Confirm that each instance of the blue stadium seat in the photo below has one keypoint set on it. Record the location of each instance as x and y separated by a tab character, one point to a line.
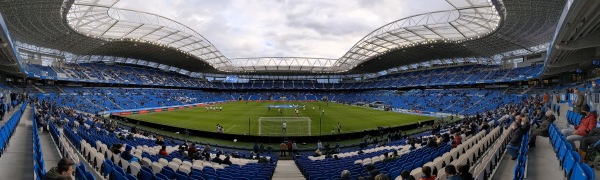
588	171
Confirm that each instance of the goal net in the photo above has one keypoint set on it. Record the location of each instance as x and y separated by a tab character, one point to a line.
273	126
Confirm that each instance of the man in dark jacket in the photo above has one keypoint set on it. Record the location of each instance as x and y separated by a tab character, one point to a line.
543	129
578	101
591	138
521	126
63	169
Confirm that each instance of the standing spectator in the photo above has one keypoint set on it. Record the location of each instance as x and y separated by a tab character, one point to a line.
294	148
282	148
63	169
585	126
255	148
319	145
578	101
269	149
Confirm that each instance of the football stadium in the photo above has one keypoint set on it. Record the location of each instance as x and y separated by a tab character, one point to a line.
316	90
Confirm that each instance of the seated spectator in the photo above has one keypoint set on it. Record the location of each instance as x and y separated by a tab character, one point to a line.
451	173
116	148
464	172
127	154
381	177
520	126
372	171
431	142
585	126
542	130
427	173
345	175
163	151
589	140
317	153
405	175
217	159
395	155
192	149
130	136
63	169
227	160
457	140
160	140
183	147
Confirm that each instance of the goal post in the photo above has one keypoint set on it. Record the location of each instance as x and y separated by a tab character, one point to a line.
273	126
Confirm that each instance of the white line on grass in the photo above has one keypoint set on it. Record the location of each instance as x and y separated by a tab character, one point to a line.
230	128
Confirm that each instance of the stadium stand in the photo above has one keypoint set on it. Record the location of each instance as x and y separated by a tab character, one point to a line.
126	74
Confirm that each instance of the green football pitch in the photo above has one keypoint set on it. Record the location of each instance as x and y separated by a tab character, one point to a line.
234	118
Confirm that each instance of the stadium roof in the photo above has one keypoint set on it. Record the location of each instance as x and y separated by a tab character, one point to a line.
575	43
473	29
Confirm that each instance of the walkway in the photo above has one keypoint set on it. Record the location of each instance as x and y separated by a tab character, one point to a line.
287	169
16	161
49	149
541	159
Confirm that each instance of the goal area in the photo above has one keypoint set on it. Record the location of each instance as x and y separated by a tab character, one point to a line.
273	126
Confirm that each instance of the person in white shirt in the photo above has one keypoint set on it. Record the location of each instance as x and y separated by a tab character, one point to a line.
283	128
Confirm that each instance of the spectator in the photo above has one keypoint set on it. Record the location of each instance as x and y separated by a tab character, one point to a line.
183	147
578	102
116	148
63	169
217	159
345	175
294	148
591	139
543	129
520	128
127	154
451	172
261	148
427	173
381	177
405	175
464	172
160	140
372	171
319	145
227	160
282	149
457	140
269	149
586	125
163	151
192	149
255	148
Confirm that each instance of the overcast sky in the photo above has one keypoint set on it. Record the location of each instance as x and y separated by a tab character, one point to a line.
284	28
